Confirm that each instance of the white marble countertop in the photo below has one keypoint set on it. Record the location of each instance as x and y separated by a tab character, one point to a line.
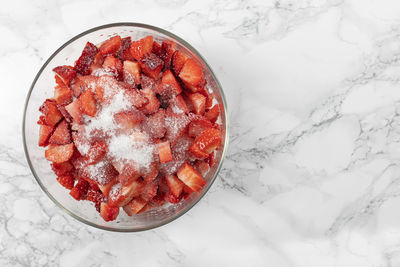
312	177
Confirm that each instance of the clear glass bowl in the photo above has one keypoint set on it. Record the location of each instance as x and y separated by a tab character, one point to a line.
42	88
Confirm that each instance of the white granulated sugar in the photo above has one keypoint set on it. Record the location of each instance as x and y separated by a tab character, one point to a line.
103	71
115	190
175	124
97	172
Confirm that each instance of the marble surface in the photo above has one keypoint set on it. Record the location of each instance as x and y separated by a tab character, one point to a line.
312	177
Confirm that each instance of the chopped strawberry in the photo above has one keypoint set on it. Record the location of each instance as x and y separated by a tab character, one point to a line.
176	125
169	82
151	65
148	83
62	95
209	97
190	177
198	102
153	103
59	81
151	174
65	73
178	60
164	152
202	167
96	152
61	135
197	152
173	199
174	184
113	65
125	52
141	47
61	169
131	72
155	124
59	153
96	197
111	46
211	159
191	74
50	112
156	49
105	188
98	60
134	206
82	65
128	120
44	134
206	142
178	105
88	103
128	172
108	212
166	52
121	195
198	125
67	181
82	83
80	190
74	109
213	113
149	191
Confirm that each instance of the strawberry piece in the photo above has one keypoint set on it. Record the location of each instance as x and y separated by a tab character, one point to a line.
154	124
151	65
128	120
59	81
178	105
213	113
105	188
178	60
198	102
111	45
108	212
88	103
61	135
74	109
82	83
128	172
210	160
80	190
121	195
65	73
173	199
179	155
141	47
202	167
125	52
96	197
164	152
131	72
176	125
174	184
198	126
191	74
96	152
169	83
62	95
206	142
106	87
59	153
209	97
44	134
149	191
61	169
82	65
190	177
156	49
50	112
136	205
113	66
67	181
151	174
166	52
153	103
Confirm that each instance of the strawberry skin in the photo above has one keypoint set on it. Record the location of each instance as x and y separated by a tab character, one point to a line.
190	177
111	46
213	113
151	65
67	181
178	60
82	65
61	135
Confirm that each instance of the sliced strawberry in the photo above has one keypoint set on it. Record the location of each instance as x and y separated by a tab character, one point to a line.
61	169
198	102
82	65
60	153
80	190
192	74
62	95
96	152
169	83
190	177
154	124
67	181
125	52
61	135
174	184
128	120
111	46
121	195
206	142
108	212
65	73
178	60
164	152
198	126
74	109
113	65
134	206
141	47
50	112
149	191
213	113
202	167
151	65
153	103
131	72
88	103
44	134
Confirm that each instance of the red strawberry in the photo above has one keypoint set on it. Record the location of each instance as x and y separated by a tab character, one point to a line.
178	105
108	212
131	72
59	153
51	114
174	184
96	152
62	95
213	113
113	65
151	65
80	190
192	75
61	135
44	134
148	83
190	177
125	52
173	199
202	167
111	46
110	84
211	159
206	142
153	104
82	83
199	125
209	97
134	206
156	49
121	195
164	152
141	47
88	103
150	174
176	125
178	60
105	188
128	172
166	52
128	120
74	109
169	82
67	181
154	124
65	73
61	169
59	81
96	197
82	65
149	191
198	102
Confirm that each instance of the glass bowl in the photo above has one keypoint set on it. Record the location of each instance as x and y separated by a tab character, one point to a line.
42	88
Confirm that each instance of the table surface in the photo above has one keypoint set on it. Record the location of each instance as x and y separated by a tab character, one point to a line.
312	173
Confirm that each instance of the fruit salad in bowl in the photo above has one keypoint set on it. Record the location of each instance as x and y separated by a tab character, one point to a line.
131	128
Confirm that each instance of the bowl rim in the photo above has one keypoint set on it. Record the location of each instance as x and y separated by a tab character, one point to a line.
185	209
